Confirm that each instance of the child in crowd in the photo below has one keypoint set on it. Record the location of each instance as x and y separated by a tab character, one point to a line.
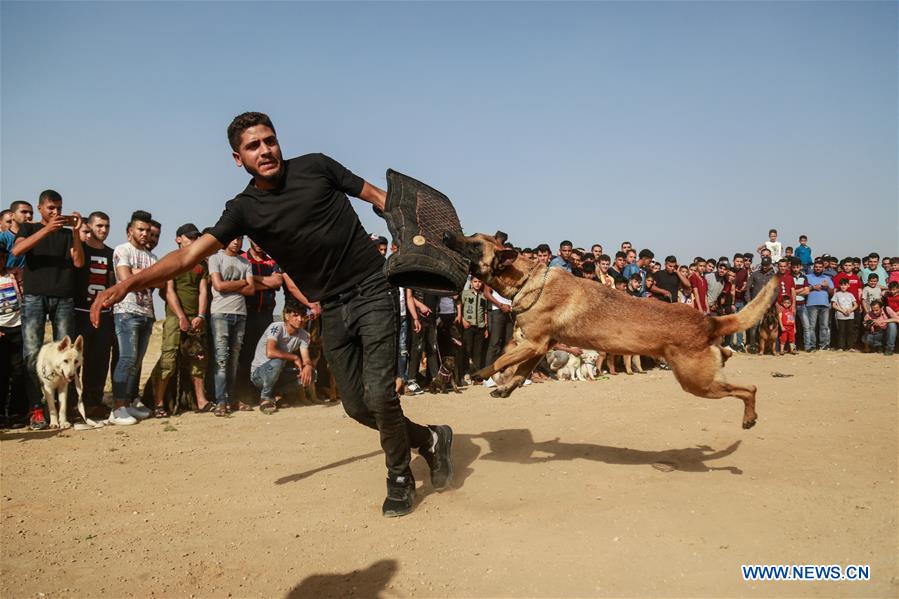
893	276
844	306
872	291
890	297
773	246
880	327
474	325
787	320
804	253
13	401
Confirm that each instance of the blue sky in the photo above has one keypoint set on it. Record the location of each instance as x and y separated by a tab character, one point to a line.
688	128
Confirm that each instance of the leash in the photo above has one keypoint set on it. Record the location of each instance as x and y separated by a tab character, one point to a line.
539	293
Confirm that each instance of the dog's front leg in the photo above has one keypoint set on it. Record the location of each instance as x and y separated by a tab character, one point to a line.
57	421
522	371
520	353
80	389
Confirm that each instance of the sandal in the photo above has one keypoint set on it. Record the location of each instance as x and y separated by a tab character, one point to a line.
244	407
221	409
207	408
267	406
160	412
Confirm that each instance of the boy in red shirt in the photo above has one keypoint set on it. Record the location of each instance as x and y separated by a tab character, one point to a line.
787	320
700	286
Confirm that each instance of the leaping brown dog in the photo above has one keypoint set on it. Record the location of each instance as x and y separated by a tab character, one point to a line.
552	306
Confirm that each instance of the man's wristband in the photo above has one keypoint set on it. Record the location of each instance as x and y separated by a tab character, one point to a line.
203	316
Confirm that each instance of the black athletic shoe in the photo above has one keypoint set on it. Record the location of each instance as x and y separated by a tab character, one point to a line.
400	496
441	459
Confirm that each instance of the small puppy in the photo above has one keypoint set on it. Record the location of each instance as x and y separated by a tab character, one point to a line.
445	377
58	364
589	361
571	371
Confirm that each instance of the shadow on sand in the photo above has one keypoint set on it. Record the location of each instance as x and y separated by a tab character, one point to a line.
358	583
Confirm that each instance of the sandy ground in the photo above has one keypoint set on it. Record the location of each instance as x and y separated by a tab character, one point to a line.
621	487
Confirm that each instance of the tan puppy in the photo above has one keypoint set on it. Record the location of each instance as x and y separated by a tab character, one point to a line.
554	306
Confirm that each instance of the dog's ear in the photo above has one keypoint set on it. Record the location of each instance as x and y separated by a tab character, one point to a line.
79	342
64	343
504	258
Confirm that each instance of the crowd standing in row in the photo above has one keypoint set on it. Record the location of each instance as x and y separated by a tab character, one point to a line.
53	269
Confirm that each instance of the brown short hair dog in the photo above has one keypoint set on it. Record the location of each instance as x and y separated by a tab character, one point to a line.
554	306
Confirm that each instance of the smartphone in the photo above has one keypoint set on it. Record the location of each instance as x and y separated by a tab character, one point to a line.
68	220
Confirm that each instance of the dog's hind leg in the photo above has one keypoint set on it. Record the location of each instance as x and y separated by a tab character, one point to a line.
699	373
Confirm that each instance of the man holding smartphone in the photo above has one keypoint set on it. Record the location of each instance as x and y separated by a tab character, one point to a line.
52	250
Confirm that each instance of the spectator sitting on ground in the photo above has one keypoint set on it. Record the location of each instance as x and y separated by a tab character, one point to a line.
880	327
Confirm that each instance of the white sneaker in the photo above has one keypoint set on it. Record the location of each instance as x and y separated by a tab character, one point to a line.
490	383
138	410
121	417
527	382
414	389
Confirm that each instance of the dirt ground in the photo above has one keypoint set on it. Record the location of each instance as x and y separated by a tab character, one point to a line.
620	487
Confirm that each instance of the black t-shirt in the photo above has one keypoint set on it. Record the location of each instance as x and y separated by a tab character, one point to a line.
670	282
95	276
48	268
307	225
617	276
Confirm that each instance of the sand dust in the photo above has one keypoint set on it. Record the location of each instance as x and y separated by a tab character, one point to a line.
622	487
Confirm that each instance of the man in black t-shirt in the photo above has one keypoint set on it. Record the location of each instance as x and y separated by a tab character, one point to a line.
95	276
669	280
52	253
299	213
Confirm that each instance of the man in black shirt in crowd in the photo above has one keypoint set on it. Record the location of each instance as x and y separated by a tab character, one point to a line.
52	251
299	213
668	280
95	276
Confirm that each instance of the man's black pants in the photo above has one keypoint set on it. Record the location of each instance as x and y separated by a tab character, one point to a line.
500	325
473	341
13	395
360	340
97	349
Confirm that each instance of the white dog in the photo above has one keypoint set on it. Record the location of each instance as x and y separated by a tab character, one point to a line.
588	365
571	370
58	364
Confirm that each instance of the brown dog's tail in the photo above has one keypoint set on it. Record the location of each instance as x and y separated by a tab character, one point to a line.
748	316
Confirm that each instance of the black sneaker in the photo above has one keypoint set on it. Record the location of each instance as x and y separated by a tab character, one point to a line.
441	459
400	496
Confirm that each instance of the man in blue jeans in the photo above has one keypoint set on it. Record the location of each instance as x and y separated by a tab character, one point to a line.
232	282
299	212
52	253
817	308
133	317
281	343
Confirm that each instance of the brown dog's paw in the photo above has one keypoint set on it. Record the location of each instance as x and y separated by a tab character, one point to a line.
500	393
747	424
479	377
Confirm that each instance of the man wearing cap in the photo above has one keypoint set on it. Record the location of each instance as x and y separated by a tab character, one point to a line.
186	299
95	276
754	285
299	213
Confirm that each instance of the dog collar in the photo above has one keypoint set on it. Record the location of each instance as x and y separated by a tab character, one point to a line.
539	293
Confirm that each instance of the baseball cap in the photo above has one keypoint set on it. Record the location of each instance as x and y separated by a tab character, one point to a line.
188	230
766	261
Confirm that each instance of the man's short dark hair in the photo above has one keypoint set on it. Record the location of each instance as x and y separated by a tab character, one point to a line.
156	223
620	255
795	261
527	250
140	215
544	247
646	254
604	257
501	236
97	214
244	121
5	212
874	255
819	261
784	260
293	306
596	245
772	231
15	205
48	195
801	237
876	302
747	256
670	260
636	277
566	242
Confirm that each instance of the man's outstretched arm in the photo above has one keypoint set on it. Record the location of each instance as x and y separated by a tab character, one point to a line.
171	265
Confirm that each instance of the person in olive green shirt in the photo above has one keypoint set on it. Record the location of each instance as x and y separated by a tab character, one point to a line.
186	298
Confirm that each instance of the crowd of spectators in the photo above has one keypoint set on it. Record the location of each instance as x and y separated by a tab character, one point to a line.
52	269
